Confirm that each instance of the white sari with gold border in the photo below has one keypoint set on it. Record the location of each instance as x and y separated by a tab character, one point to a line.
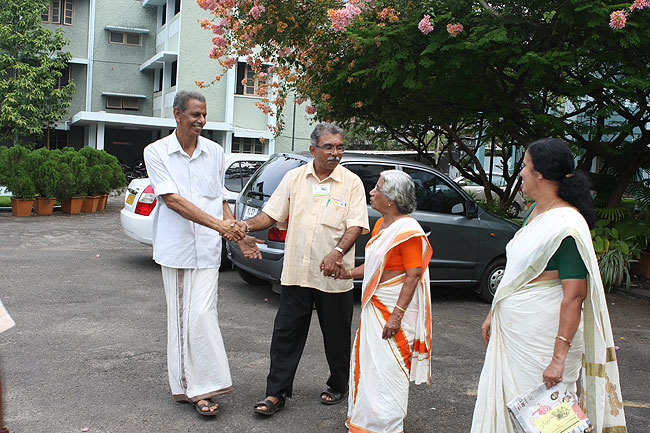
525	319
6	321
381	370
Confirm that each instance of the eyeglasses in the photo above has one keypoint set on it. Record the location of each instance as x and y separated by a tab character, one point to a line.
331	147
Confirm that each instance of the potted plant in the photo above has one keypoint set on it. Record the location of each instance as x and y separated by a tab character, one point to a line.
18	180
73	179
95	178
44	172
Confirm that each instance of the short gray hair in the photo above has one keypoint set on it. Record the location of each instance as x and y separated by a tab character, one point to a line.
324	127
181	98
399	188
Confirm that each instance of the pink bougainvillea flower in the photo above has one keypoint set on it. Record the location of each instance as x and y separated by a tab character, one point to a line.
425	25
358	104
230	62
208	5
454	29
310	110
640	4
256	11
219	41
200	83
617	19
340	18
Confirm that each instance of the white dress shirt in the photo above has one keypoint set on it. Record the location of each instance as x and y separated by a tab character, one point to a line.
179	242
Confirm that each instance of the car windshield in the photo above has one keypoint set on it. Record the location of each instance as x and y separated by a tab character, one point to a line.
267	179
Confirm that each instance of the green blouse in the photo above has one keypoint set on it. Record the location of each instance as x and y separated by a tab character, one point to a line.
566	260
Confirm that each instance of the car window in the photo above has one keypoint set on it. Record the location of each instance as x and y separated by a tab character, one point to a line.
433	194
267	179
369	174
239	172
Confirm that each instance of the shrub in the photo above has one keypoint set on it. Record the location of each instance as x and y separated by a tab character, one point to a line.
17	177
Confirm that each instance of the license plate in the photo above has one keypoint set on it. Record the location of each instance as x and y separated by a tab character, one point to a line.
250	212
130	198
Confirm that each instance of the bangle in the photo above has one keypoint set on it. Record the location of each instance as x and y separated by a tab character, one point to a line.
559	337
248	228
351	277
340	250
400	308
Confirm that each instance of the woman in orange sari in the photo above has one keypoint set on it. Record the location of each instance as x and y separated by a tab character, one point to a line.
393	342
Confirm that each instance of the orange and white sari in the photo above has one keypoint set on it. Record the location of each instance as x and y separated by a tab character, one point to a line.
380	369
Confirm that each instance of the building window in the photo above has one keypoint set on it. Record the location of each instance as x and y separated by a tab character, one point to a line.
124	38
159	83
177	6
247	83
172	81
122	103
58	12
64	79
164	14
247	145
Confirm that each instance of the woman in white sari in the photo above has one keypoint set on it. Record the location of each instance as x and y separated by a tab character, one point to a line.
393	343
549	321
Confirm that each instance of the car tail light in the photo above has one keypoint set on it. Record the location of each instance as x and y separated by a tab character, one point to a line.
146	202
277	234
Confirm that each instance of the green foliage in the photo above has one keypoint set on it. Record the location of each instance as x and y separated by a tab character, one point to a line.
17	179
519	71
43	168
31	62
616	251
74	174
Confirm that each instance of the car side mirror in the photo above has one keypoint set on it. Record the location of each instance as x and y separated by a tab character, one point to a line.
472	209
462	183
458	209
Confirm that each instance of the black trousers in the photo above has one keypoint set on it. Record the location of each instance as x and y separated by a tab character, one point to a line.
290	334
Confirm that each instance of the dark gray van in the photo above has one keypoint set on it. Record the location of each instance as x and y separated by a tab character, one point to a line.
468	242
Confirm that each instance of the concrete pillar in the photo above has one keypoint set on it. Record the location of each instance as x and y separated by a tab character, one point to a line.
101	129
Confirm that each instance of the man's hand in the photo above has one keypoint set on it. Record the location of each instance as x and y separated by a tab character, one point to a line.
248	247
329	266
232	230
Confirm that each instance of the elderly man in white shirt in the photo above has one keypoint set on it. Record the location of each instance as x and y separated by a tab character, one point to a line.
186	171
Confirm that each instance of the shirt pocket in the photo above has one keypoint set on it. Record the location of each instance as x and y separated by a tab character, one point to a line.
209	187
333	216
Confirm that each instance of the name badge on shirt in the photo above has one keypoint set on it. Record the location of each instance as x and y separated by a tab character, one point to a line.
320	190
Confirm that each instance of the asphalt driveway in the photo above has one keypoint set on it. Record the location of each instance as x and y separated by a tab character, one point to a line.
88	351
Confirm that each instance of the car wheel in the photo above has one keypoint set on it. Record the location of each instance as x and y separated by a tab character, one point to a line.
491	278
513	210
252	279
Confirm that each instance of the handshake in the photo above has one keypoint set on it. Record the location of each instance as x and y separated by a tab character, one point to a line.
234	230
334	269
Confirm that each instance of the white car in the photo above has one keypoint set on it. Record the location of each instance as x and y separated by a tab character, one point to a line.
478	192
140	200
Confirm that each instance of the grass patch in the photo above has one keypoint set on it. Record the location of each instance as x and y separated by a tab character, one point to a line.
5	201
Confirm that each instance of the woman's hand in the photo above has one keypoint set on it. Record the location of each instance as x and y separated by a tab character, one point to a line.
485	328
392	326
553	373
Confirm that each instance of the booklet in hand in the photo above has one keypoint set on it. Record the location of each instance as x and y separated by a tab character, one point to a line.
548	410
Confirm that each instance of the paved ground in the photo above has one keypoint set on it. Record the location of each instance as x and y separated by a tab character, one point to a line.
89	347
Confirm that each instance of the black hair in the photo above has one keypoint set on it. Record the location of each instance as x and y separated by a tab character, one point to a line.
555	161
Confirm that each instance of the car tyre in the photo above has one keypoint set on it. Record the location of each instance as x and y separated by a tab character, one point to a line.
491	278
513	210
252	279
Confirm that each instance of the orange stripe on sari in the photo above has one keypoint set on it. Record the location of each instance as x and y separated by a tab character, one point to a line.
400	338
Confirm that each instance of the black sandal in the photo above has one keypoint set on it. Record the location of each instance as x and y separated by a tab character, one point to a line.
271	408
199	407
335	397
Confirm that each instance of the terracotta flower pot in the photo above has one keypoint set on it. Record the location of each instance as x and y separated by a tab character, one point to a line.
21	207
43	207
101	205
90	203
72	205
